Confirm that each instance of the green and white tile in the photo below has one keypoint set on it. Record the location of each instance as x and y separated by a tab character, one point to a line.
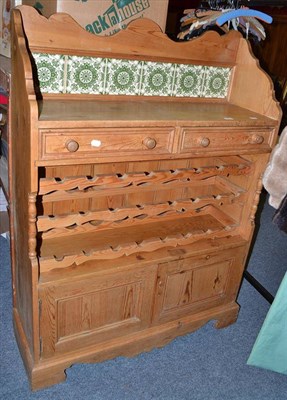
72	74
85	75
157	79
123	77
50	69
188	80
216	82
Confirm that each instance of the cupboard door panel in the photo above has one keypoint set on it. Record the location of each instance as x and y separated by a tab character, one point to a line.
210	281
197	283
99	310
94	310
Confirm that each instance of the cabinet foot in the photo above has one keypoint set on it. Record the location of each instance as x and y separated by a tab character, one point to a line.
46	377
228	318
40	375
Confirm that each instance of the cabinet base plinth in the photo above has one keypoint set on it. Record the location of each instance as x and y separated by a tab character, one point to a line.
51	371
227	319
41	379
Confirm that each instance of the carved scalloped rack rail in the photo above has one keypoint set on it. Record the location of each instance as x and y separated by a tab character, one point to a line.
237	166
113	232
210	224
63	225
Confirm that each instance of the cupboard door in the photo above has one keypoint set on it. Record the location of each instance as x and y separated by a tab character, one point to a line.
95	309
197	283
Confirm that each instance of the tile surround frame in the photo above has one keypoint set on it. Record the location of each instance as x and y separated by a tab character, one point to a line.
109	76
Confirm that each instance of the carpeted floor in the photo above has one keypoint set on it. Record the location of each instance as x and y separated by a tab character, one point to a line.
208	364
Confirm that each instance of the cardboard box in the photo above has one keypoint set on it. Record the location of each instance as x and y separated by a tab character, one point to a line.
5	25
100	17
105	17
5	36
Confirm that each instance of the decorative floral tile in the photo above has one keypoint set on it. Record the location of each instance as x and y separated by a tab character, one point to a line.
123	77
50	72
188	80
85	75
216	82
91	75
157	79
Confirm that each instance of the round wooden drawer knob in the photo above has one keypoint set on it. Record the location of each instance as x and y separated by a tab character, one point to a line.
72	146
204	142
150	143
257	139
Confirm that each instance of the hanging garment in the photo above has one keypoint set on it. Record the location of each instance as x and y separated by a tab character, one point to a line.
270	348
275	176
280	216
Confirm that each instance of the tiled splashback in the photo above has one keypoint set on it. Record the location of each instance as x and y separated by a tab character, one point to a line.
73	74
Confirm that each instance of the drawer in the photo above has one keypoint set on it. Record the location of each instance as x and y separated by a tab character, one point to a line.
217	139
78	143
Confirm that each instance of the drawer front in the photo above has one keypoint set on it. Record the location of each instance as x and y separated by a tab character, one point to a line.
105	142
216	139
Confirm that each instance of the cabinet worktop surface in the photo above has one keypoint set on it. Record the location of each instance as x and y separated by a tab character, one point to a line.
140	110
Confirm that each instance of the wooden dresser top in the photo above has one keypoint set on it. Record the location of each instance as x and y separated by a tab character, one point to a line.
174	112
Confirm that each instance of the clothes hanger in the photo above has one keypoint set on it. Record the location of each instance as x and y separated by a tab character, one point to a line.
195	15
253	26
225	15
200	23
243	12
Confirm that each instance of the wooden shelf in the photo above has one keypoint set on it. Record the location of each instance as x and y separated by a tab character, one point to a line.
165	254
214	191
65	251
86	234
60	189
